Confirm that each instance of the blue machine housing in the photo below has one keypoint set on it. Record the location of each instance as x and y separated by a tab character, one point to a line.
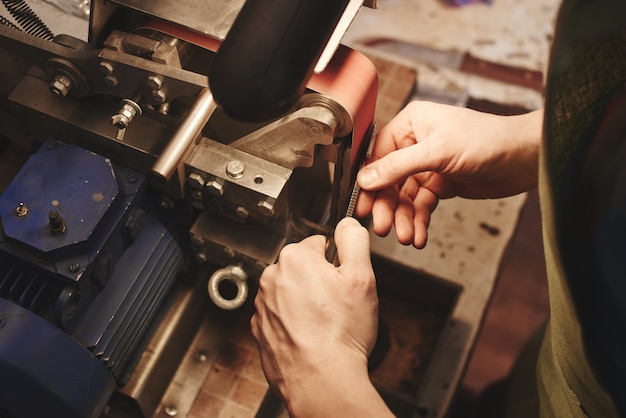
84	268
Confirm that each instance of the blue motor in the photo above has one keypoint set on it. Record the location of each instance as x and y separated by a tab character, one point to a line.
84	268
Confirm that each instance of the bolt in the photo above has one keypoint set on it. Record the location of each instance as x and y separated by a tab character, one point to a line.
73	268
195	194
134	222
216	187
170	411
61	86
158	96
201	256
155	82
235	169
132	178
106	68
110	81
21	210
229	252
196	181
57	223
197	240
166	202
125	115
201	356
242	212
266	207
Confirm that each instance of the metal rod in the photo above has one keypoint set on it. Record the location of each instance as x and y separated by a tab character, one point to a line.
188	131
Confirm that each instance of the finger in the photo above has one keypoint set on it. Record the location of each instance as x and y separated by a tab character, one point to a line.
353	243
394	167
397	133
315	244
424	204
364	204
383	210
404	214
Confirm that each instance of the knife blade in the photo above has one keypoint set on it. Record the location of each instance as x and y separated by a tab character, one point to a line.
456	60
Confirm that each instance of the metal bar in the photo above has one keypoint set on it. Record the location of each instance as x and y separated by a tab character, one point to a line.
171	160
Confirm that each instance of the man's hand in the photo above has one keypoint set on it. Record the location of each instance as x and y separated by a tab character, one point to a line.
431	151
316	324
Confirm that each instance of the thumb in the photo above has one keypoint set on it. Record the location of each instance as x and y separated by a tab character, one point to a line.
353	243
396	166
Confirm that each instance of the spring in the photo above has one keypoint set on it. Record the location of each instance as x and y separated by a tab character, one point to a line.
27	19
6	22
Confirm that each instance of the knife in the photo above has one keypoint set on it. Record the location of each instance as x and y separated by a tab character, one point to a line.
460	61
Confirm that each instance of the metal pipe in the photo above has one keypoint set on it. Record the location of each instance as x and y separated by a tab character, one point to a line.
188	131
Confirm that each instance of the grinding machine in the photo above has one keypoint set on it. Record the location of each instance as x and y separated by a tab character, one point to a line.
171	155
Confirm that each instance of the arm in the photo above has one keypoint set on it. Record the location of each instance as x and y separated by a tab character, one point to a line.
316	324
431	151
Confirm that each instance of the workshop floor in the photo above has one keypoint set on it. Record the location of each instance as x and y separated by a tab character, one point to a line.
519	304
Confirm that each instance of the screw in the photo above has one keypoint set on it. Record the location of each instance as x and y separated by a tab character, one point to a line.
166	202
158	96
61	86
197	240
235	169
266	207
195	194
216	187
242	212
201	356
201	256
170	411
196	181
229	252
73	268
132	178
21	210
57	223
155	82
110	81
125	115
106	68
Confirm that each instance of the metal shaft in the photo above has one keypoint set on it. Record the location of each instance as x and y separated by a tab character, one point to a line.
189	130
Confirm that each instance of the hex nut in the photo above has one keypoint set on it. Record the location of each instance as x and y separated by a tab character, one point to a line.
215	187
242	212
155	82
266	207
196	181
235	169
106	68
61	86
158	96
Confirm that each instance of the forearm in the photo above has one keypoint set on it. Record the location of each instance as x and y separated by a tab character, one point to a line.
528	129
342	390
510	157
